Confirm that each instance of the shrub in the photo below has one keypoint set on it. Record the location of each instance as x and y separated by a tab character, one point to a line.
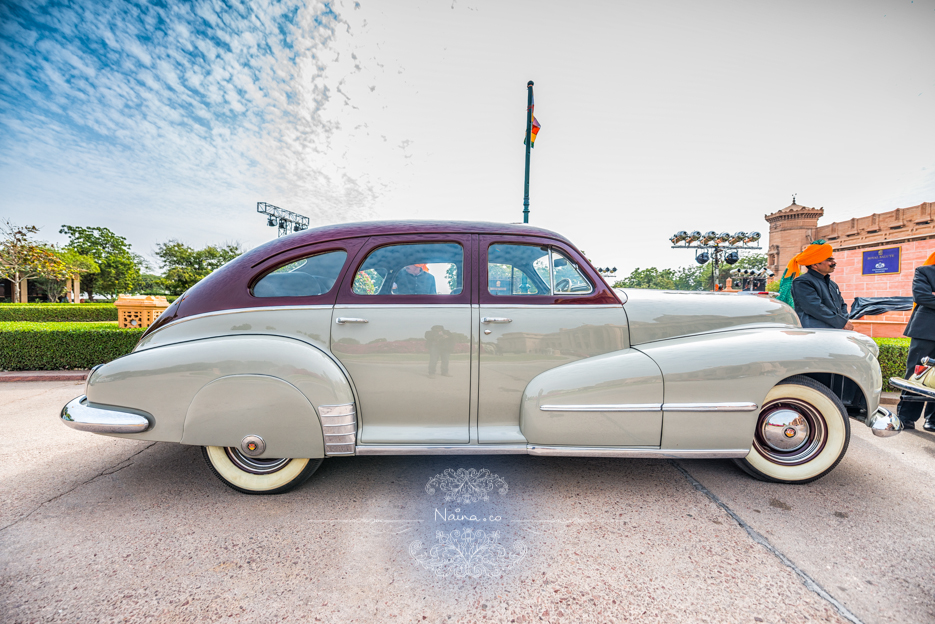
56	346
58	312
893	354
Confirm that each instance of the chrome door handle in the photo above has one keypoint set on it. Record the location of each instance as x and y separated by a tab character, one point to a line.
495	319
341	320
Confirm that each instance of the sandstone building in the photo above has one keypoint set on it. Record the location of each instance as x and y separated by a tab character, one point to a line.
876	255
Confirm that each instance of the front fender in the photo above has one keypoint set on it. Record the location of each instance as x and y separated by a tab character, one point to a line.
742	366
164	382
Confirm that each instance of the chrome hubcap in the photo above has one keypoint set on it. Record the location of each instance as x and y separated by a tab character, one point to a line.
784	430
790	432
255	465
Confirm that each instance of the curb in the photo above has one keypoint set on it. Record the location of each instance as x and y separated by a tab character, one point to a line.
889	398
77	375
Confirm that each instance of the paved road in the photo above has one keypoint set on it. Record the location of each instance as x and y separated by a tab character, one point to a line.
98	529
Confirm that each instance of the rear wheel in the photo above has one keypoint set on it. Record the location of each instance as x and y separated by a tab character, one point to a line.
252	475
801	434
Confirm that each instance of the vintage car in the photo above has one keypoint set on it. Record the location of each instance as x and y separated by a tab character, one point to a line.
456	338
921	384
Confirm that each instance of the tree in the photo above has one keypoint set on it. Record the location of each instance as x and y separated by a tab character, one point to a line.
118	269
75	265
755	262
150	284
186	266
22	258
684	278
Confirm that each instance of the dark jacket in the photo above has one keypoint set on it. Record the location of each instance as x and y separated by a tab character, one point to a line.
818	301
922	322
419	284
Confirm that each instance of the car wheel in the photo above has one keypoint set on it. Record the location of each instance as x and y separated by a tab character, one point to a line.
251	475
801	433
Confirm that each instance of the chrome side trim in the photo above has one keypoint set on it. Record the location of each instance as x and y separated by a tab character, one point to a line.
646	452
347	409
391	306
341	320
339	428
883	423
623	407
654	407
442	449
564	306
77	414
710	407
556	451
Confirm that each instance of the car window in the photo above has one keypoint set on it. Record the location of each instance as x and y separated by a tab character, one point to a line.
306	277
518	270
412	269
525	270
567	275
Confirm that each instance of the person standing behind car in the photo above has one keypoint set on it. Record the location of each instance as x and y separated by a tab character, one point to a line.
921	331
816	298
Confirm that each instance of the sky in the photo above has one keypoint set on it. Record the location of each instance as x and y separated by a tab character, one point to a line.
171	120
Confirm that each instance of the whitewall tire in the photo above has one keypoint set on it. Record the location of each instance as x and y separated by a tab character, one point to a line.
802	433
257	476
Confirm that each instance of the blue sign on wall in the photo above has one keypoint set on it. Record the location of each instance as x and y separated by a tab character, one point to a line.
881	261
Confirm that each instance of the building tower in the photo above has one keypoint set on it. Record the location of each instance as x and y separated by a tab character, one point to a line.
790	230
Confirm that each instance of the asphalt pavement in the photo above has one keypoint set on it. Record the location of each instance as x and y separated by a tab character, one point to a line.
97	529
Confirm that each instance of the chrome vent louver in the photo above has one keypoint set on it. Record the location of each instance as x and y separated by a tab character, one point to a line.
339	426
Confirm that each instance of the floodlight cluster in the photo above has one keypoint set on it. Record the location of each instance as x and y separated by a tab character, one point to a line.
282	218
712	239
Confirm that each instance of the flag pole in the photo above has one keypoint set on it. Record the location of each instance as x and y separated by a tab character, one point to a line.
528	145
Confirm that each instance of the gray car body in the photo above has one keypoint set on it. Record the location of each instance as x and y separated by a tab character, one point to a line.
634	389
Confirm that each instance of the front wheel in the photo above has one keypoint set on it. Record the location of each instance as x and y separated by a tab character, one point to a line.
252	475
801	434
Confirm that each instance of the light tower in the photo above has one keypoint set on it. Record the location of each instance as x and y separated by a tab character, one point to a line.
282	218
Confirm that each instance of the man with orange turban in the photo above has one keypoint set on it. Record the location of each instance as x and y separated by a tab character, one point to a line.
816	298
921	330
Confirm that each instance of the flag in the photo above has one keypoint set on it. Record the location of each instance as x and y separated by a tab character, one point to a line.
535	131
535	126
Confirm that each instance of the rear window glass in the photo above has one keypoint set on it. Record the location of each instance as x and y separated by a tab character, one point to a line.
306	277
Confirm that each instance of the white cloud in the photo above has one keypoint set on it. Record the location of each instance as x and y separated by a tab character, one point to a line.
201	104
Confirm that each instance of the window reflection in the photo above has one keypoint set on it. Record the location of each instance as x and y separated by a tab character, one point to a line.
412	269
306	277
532	270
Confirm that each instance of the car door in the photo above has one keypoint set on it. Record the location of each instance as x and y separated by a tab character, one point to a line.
541	307
402	327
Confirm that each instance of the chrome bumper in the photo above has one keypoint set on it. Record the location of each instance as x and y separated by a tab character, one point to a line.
883	423
78	415
913	386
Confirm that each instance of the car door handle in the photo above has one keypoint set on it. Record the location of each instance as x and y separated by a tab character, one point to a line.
495	319
341	320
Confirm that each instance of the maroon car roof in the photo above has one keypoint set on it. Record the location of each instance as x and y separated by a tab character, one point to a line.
340	231
226	287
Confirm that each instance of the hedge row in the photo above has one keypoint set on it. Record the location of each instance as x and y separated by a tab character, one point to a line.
58	312
893	354
57	346
70	345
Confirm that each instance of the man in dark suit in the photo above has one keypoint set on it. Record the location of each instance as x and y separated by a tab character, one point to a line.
921	329
818	300
414	280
